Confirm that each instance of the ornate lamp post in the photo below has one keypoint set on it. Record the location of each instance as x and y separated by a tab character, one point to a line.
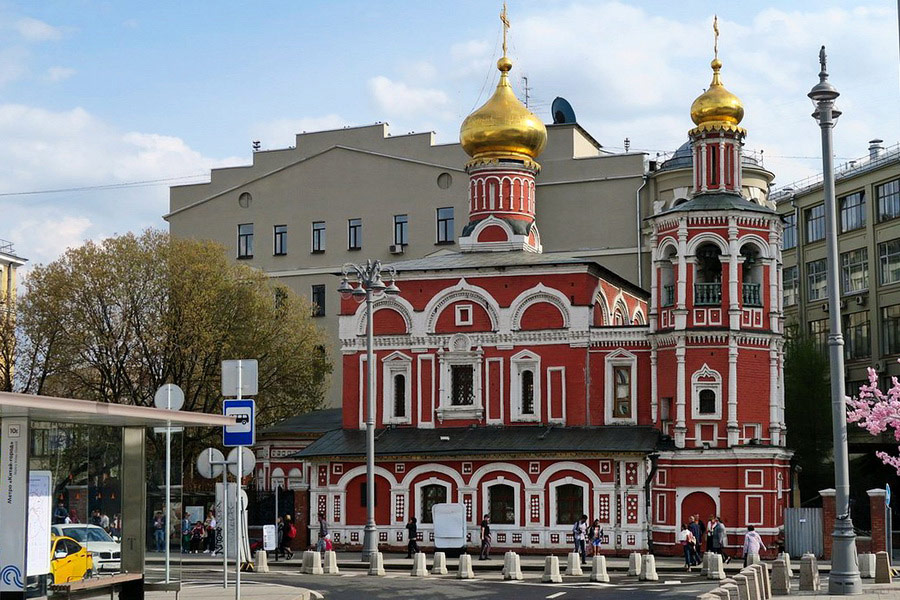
368	285
844	578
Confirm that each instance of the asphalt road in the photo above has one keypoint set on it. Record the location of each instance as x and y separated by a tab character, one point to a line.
356	585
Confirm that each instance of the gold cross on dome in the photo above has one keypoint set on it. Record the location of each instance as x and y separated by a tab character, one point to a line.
716	36
505	21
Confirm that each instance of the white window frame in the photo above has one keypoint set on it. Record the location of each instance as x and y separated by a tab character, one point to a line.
294	479
463	314
447	359
661	500
585	501
762	478
396	364
517	502
620	358
519	363
662	477
757	431
697	386
698	434
762	508
417	491
277	478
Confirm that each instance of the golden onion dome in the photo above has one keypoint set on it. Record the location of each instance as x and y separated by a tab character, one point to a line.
717	105
503	127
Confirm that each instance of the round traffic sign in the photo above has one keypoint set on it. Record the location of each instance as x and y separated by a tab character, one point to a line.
248	461
169	397
205	460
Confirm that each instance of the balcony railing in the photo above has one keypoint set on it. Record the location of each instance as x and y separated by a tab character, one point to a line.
752	294
707	294
668	295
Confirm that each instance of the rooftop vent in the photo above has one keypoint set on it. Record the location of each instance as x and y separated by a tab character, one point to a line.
875	148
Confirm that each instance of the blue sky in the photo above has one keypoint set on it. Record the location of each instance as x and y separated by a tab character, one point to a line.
95	93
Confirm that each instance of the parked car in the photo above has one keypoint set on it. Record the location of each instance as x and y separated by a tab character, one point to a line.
69	560
107	552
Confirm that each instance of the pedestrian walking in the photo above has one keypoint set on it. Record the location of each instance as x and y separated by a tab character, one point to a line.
710	528
485	537
288	533
694	527
104	522
702	535
595	535
720	539
211	526
752	543
323	531
412	545
687	540
159	531
579	533
60	514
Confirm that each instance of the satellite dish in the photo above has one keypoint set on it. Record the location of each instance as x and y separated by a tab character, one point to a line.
205	460
562	111
248	461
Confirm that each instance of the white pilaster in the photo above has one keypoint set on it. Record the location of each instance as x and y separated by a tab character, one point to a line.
734	310
680	425
654	391
774	425
721	164
733	429
703	187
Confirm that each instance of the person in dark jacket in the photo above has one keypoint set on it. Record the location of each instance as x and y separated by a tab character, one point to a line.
694	527
412	545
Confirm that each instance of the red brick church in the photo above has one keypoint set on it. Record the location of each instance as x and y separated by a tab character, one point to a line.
537	386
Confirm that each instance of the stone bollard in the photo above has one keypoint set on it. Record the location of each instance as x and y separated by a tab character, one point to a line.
331	566
867	566
376	564
781	580
743	585
809	573
765	592
787	563
573	564
439	564
262	562
551	570
648	569
704	564
753	559
305	561
315	563
720	593
465	567
734	593
598	569
418	568
882	568
634	564
512	567
752	583
716	569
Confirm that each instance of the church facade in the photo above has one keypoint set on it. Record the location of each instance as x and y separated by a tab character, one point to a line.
535	387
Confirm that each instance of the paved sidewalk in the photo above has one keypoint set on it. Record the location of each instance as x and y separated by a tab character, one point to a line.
254	591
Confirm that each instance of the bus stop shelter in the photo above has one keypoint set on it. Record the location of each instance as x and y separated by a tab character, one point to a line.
17	412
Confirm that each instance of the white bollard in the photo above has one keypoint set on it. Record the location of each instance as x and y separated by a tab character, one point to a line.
376	564
551	570
573	564
753	583
331	566
305	562
704	564
315	564
809	573
867	566
634	564
787	563
781	581
765	589
716	568
743	585
418	569
883	568
753	559
598	569
262	562
512	567
439	564
464	571
733	591
648	568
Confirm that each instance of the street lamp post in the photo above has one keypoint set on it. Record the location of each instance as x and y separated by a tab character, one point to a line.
844	578
369	285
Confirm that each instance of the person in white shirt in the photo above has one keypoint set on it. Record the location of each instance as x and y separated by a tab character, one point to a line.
687	540
752	543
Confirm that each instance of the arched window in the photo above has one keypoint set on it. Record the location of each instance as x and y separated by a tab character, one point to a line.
295	479
708	286
751	272
277	478
528	392
502	504
431	494
622	407
569	503
712	165
707	399
400	395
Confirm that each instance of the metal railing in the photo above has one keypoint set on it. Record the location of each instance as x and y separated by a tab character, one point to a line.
752	294
668	295
7	247
708	294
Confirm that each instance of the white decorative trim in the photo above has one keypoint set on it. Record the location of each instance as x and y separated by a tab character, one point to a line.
550	418
756	240
683	492
395	364
450	358
461	291
396	303
491	420
697	386
762	478
417	494
585	502
485	502
661	508
429	422
699	239
618	358
519	363
539	293
762	509
463	314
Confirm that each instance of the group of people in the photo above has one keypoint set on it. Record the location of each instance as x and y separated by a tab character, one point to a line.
587	538
713	532
197	537
65	516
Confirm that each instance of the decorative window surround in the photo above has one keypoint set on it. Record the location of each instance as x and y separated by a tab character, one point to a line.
420	502
463	314
706	379
585	503
517	501
521	362
620	358
395	364
460	353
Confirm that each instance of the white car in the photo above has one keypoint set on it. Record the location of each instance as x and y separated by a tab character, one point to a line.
106	551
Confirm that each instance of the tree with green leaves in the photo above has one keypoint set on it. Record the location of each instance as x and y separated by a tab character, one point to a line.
113	321
807	408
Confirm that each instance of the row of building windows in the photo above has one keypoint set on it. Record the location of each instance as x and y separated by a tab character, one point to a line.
852	213
854	270
857	333
444	227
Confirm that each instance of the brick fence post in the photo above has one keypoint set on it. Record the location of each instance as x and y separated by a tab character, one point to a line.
827	520
879	522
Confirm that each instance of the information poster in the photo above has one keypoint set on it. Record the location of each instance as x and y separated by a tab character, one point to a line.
40	511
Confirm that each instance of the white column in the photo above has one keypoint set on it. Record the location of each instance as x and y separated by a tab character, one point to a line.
733	429
681	278
721	162
703	166
654	391
680	425
654	282
734	310
781	423
774	428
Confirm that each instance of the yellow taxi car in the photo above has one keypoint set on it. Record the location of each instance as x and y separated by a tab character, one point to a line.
69	560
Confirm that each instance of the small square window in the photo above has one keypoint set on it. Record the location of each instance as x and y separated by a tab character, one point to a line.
399	467
706	433
467	468
662	477
337	469
463	314
534	468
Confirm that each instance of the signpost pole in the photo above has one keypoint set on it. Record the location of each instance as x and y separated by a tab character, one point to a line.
277	488
224	517
167	520
237	504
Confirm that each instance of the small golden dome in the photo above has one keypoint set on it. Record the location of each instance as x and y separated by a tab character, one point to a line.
503	127
717	105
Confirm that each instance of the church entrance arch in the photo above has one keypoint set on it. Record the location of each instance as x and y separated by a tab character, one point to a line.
696	503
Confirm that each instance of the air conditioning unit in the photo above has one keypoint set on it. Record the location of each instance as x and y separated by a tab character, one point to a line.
825	307
397	249
861	299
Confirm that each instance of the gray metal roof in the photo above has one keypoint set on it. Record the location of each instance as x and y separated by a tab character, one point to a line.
682	158
316	421
531	439
720	201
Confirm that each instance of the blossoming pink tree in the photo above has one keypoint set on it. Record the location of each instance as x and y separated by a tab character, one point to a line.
877	412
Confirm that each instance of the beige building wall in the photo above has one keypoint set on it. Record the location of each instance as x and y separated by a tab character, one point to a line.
862	310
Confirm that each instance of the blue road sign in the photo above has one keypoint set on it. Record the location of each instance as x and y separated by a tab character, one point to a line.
887	494
242	433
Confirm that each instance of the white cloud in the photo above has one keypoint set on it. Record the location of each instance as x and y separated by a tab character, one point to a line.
281	133
34	30
56	74
396	98
12	64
